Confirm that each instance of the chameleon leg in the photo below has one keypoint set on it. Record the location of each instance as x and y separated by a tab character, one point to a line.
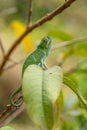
45	66
13	95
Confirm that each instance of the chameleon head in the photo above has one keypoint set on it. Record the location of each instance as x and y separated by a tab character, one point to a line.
46	44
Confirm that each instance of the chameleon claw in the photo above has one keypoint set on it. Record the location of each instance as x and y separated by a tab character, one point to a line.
14	103
45	66
37	57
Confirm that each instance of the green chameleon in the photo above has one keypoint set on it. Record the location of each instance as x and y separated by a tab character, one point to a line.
38	57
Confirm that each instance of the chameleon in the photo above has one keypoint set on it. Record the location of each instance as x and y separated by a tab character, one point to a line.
37	57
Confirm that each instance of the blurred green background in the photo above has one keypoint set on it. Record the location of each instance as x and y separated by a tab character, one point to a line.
70	24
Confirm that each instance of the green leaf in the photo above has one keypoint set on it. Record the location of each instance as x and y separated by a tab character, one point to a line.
59	105
82	78
84	113
40	92
61	35
81	49
82	45
73	85
6	128
80	52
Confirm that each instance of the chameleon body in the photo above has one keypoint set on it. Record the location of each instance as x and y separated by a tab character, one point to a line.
38	57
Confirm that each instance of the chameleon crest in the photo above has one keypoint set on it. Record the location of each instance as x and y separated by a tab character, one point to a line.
45	45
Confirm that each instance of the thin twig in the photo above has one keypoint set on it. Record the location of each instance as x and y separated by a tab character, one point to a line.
3	52
38	23
77	68
2	48
10	112
30	12
14	64
13	61
67	43
62	44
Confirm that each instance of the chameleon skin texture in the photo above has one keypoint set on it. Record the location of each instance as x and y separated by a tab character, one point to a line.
32	59
37	57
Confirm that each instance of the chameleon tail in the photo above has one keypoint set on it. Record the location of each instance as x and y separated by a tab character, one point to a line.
12	97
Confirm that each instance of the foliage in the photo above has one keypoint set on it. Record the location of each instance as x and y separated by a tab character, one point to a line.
6	128
35	87
41	96
73	61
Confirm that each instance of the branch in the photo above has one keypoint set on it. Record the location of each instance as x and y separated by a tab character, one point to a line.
3	53
62	44
68	43
38	23
10	112
13	64
2	49
77	68
30	12
8	117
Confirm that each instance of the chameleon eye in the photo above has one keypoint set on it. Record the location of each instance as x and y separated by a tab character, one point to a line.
45	40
